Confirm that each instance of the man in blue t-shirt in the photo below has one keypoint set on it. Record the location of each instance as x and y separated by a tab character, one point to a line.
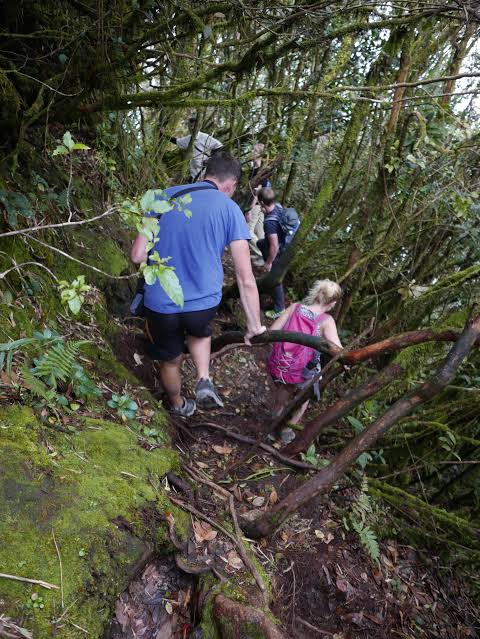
273	244
196	245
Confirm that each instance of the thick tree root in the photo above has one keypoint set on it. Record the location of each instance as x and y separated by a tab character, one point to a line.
236	621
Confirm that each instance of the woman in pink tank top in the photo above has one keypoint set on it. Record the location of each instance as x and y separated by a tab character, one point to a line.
292	365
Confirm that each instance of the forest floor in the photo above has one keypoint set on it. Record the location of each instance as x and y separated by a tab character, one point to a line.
323	582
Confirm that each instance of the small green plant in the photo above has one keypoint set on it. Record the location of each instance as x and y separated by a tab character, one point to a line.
311	457
35	602
73	294
124	405
69	145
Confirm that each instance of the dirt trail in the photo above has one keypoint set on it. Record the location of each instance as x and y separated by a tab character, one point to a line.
324	584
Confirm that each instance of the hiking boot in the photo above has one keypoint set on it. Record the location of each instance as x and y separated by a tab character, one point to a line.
186	409
272	314
206	394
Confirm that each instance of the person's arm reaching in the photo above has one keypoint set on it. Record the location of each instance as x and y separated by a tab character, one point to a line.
329	331
139	254
273	247
247	287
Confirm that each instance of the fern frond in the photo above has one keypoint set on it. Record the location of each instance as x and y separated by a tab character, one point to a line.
367	538
35	385
57	363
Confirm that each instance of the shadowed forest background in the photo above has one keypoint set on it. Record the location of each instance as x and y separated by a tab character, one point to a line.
370	117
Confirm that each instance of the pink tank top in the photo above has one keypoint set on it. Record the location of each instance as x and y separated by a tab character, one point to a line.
287	360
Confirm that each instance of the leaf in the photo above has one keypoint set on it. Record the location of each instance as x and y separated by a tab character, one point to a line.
62	58
320	534
363	459
160	206
203	532
258	501
75	304
60	150
343	585
171	285
138	359
78	146
222	450
169	608
356	424
68	140
147	199
234	560
273	496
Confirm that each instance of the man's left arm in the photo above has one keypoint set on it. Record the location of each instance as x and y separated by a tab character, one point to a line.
273	248
247	287
139	253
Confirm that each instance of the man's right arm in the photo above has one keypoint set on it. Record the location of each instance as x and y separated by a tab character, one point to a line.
247	287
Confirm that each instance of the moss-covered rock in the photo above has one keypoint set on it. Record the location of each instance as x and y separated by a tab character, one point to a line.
89	490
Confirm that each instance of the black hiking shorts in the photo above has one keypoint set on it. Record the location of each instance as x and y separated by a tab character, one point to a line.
168	332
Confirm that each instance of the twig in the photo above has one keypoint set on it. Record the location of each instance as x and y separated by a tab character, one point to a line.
239	545
59	225
239	535
74	259
38	582
17	267
314	628
61	568
252	442
78	627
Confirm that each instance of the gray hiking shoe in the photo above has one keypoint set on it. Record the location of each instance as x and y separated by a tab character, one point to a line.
186	409
206	394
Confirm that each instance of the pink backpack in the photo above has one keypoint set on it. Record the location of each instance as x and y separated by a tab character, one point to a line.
287	360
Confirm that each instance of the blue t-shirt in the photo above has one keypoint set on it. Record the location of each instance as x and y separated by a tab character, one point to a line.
196	246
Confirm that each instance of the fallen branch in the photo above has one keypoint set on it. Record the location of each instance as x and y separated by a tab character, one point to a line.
238	543
38	582
239	535
342	407
322	481
253	442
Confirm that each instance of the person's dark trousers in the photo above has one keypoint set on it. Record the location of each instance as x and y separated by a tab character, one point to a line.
278	298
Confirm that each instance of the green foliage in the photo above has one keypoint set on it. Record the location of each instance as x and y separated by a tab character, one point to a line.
125	406
73	294
69	145
311	457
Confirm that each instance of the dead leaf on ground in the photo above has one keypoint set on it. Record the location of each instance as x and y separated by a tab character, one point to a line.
203	532
234	560
343	585
222	450
258	501
273	496
138	359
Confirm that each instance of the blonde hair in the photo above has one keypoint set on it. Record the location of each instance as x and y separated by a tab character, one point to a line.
323	292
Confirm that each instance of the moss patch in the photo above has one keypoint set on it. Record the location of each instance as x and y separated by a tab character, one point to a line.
77	487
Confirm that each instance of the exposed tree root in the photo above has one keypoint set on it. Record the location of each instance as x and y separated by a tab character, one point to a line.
235	621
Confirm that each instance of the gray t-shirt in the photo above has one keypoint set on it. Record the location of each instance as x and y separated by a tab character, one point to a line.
202	149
